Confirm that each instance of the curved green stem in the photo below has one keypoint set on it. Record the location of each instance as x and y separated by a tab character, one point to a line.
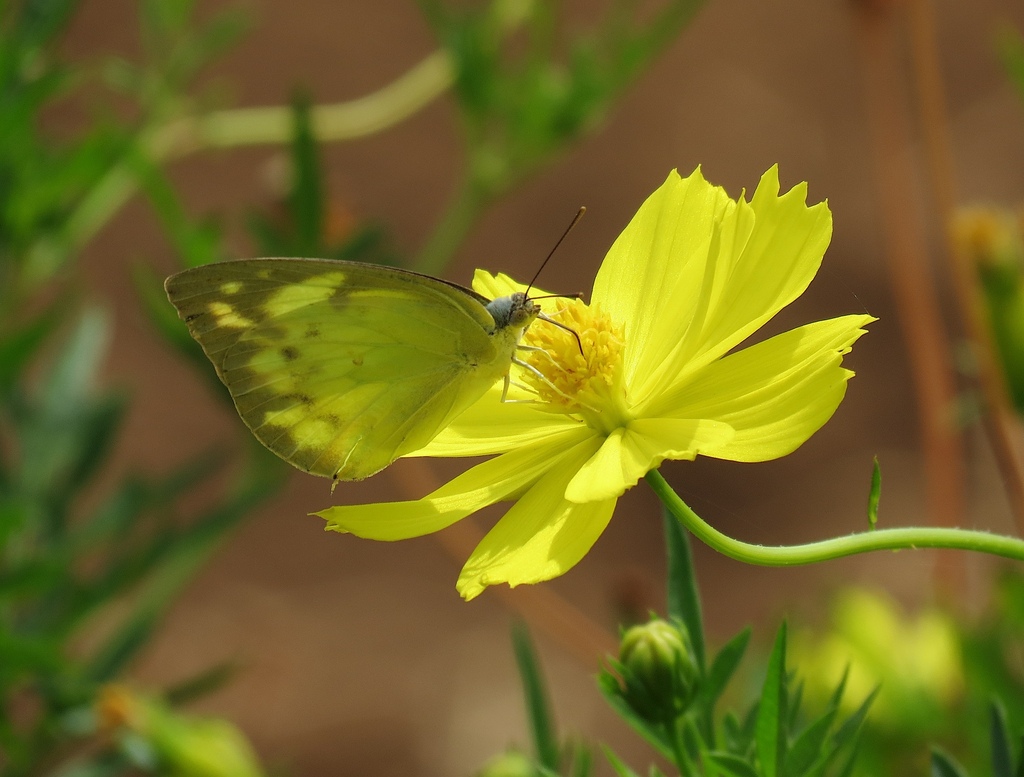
245	127
678	750
341	121
838	547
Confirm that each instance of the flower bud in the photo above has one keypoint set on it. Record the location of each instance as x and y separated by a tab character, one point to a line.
659	672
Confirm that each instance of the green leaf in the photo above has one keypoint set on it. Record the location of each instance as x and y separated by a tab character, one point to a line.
72	378
722	669
581	760
114	655
874	495
64	432
771	709
1002	749
1010	44
944	765
28	653
40	21
732	765
165	18
202	684
617	764
545	739
848	732
168	558
683	594
794	698
732	731
197	243
656	736
306	200
807	748
837	695
18	347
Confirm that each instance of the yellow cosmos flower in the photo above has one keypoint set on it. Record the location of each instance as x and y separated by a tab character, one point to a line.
693	275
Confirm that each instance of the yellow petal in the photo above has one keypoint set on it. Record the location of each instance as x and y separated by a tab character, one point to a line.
756	277
482	485
629	454
491	426
695	273
652	277
541	536
775	394
493	286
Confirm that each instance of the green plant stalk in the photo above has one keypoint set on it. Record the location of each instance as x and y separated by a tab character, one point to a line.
838	547
459	217
246	127
678	751
357	118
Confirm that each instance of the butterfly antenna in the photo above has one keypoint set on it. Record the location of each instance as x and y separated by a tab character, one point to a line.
568	229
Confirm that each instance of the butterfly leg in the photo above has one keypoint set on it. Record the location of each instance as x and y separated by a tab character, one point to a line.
547	382
524	387
541	377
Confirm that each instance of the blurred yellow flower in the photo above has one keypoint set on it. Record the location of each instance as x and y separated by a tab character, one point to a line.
184	745
993	239
651	377
916	661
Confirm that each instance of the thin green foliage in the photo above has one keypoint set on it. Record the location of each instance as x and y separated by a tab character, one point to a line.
771	711
945	765
1010	45
75	559
525	93
774	737
683	594
64	567
1007	760
538	708
875	495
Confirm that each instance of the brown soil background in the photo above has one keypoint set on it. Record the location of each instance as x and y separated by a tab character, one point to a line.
359	658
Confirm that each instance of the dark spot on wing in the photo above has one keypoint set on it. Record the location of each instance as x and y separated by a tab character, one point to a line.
357	361
312	331
290	353
339	298
272	333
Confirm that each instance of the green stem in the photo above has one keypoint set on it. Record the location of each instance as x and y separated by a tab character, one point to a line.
683	763
459	217
241	127
358	118
838	547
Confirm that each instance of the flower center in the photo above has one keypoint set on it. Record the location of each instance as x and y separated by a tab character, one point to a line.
588	383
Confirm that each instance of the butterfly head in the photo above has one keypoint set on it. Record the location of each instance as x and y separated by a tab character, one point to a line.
516	311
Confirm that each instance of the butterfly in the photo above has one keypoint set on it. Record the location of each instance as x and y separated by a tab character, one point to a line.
342	367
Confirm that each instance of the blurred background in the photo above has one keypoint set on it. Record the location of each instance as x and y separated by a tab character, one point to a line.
353	657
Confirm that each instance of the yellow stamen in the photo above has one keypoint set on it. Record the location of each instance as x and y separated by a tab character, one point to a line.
116	706
587	384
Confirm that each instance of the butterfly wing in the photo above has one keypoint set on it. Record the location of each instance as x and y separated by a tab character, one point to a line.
340	367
